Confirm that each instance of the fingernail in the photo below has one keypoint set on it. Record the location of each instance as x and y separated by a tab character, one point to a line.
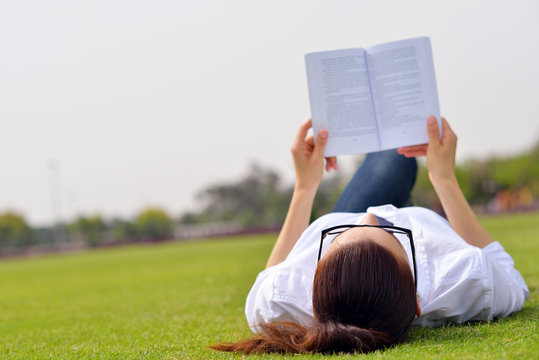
431	120
323	134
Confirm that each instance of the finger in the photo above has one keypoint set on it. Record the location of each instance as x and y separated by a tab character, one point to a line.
432	129
320	145
415	153
445	124
331	163
446	129
405	149
334	163
302	132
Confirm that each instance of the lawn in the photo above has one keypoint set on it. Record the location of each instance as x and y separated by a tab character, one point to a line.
171	300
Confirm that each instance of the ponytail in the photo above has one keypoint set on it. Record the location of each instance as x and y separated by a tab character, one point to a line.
290	337
334	337
275	337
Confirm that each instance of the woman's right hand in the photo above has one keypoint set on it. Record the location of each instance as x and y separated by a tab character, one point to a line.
440	152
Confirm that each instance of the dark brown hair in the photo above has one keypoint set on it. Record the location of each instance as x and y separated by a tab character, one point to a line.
363	299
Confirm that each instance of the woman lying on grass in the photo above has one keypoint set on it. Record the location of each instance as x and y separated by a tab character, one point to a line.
357	279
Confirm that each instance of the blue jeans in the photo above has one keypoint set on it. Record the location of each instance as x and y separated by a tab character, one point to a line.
384	177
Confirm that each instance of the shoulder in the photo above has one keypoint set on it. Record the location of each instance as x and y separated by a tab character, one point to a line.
281	293
486	288
458	288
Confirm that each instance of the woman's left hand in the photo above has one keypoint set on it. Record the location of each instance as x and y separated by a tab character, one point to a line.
309	157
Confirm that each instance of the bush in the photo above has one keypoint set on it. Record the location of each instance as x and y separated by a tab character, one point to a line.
154	224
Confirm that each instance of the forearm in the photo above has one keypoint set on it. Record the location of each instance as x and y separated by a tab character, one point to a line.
297	220
459	213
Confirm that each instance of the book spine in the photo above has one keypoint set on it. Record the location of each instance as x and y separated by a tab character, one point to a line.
372	100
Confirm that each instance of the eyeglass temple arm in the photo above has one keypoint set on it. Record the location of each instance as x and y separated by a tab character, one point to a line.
320	250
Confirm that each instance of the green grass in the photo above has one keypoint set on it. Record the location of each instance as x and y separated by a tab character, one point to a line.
170	301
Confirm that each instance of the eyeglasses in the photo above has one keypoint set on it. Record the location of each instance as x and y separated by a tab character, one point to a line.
335	230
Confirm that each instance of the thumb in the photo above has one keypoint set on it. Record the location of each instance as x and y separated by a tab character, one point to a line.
321	141
432	129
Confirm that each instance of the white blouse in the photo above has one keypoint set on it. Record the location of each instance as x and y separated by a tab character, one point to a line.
456	281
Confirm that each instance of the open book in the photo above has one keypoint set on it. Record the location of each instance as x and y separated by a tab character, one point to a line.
375	98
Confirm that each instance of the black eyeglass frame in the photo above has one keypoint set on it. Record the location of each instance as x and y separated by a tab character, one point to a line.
389	228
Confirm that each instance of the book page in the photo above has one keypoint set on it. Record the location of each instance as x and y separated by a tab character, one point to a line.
404	91
341	101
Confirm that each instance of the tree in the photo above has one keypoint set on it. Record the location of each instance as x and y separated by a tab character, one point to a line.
258	199
121	230
154	223
91	229
255	200
14	231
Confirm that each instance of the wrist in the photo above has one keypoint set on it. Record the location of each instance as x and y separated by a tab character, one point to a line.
446	179
302	189
444	183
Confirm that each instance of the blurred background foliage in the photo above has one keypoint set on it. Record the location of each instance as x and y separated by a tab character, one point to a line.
154	224
258	201
14	231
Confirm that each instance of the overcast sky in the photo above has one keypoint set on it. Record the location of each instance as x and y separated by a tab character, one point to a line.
138	103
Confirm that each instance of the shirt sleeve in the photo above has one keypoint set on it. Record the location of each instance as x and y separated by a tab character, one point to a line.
278	294
258	304
508	287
